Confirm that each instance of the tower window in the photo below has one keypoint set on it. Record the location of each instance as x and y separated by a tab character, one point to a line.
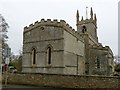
33	56
84	29
49	55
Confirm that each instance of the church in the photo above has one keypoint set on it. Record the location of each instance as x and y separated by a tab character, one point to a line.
54	47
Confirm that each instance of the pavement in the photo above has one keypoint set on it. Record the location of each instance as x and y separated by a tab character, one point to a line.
17	87
23	87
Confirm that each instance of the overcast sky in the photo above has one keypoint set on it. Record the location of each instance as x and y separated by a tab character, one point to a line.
21	13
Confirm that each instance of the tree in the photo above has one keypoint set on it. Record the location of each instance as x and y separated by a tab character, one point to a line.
117	67
17	63
3	29
3	36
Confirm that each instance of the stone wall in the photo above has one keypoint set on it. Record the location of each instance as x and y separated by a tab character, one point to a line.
100	56
65	81
67	48
73	55
41	37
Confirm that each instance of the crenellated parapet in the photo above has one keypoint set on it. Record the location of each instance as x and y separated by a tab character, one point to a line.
87	21
48	22
92	19
55	23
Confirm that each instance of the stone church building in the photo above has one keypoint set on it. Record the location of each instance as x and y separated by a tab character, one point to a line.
54	47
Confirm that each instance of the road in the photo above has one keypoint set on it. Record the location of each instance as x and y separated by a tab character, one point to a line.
22	87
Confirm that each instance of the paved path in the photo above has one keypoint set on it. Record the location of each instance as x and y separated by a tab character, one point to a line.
22	87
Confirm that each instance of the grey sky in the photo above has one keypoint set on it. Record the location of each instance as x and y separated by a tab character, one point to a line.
119	29
21	13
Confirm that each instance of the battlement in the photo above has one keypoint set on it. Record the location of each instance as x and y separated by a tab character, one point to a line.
86	21
48	22
54	23
92	19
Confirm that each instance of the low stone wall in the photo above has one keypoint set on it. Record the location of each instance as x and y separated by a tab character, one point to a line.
65	81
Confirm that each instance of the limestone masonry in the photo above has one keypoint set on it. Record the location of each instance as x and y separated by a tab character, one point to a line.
54	47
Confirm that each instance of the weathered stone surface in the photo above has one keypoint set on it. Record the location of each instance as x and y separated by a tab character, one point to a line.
61	37
74	52
65	81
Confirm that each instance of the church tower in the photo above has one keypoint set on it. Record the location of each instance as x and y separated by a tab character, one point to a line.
87	26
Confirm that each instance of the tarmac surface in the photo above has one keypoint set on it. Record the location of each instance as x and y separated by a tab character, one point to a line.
23	87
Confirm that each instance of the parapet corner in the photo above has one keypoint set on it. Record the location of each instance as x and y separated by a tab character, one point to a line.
25	27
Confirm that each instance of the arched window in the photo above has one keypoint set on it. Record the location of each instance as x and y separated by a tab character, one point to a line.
97	63
49	55
33	56
84	29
